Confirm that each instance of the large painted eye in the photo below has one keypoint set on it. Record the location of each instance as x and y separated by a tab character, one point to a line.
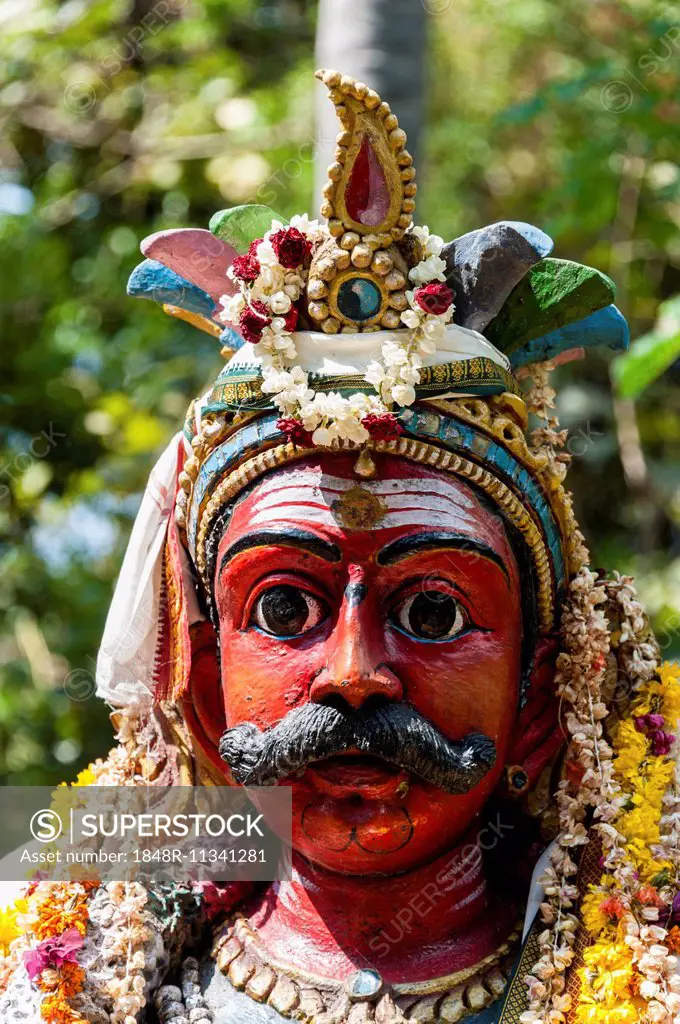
288	611
431	615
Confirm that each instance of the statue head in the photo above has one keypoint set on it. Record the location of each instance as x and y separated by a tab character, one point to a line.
365	567
384	619
374	653
357	574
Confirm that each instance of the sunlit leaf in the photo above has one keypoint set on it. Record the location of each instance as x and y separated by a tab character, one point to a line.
652	354
240	225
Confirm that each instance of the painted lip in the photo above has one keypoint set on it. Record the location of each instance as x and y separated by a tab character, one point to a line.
351	773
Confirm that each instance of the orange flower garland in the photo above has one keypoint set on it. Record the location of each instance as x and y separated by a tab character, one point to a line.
59	906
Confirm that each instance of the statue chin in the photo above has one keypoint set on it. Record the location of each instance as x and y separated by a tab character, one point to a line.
392	823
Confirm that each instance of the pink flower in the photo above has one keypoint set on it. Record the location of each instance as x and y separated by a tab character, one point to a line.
385	427
661	742
434	298
291	247
644	723
53	952
652	727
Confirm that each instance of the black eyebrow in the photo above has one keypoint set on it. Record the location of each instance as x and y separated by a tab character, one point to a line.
397	550
288	538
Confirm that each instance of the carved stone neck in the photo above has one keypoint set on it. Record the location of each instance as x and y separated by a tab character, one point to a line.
434	921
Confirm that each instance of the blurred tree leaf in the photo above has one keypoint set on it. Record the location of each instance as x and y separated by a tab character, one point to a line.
652	354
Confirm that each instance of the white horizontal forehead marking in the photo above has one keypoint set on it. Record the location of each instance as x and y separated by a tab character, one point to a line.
324	497
325	517
310	495
314	480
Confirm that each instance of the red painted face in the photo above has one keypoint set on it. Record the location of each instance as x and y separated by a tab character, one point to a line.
336	591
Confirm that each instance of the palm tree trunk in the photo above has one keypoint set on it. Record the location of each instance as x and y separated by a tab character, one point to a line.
381	43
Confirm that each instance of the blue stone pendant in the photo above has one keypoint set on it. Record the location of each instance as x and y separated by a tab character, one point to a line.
364	984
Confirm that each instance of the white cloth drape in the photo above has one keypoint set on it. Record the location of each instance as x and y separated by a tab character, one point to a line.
125	665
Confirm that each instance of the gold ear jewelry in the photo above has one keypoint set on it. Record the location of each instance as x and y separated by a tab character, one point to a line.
516	780
358	278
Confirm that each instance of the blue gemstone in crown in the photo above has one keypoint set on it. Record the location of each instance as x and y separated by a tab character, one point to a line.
359	299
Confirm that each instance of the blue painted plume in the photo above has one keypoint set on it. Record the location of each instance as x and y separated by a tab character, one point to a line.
606	327
231	339
484	266
153	280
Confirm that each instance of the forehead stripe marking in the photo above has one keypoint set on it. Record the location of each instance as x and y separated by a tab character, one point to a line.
323	516
315	480
298	496
310	496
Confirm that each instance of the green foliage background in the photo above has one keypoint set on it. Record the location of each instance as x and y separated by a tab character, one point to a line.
560	112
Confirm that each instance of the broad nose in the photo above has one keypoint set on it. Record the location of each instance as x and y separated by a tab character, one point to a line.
356	670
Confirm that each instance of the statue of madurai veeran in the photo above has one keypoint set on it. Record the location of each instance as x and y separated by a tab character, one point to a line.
357	574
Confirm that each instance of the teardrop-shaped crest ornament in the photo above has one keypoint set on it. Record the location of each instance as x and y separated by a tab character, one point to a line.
371	185
358	278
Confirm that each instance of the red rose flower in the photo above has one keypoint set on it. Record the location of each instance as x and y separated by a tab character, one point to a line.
221	897
253	321
574	772
295	432
247	267
382	428
434	298
291	247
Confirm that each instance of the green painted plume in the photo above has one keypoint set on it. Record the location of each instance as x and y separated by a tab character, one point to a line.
240	225
552	294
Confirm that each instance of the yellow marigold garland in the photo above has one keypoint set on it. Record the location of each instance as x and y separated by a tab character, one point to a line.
48	911
619	980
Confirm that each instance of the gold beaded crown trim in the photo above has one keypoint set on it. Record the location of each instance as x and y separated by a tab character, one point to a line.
371	134
358	278
483	442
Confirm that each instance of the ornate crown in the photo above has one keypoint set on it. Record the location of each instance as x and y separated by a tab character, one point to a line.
334	331
451	319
